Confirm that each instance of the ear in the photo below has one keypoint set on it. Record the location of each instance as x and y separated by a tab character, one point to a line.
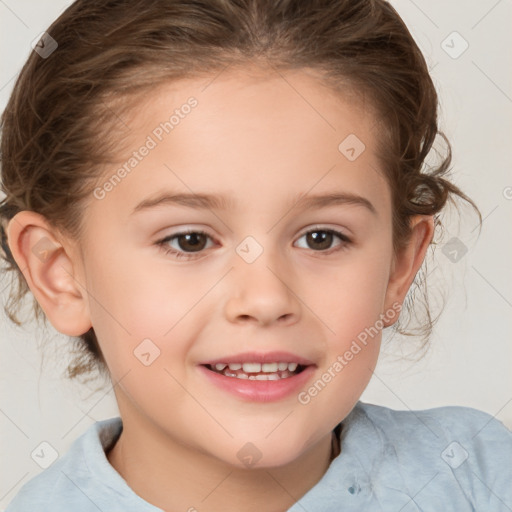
47	262
408	260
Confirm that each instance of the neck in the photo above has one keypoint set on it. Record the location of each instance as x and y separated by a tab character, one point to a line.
173	477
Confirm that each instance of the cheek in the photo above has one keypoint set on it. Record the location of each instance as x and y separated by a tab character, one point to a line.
354	298
355	301
131	303
132	297
354	294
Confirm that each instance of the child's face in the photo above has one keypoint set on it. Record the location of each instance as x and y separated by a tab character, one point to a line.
258	283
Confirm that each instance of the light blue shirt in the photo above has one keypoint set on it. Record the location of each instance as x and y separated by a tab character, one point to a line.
435	460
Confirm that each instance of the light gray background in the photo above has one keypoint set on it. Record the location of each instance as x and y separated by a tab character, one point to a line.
469	362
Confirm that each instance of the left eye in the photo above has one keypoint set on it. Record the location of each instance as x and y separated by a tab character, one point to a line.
323	238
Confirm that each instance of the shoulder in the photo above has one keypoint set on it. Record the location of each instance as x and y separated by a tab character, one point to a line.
472	426
66	482
466	452
451	416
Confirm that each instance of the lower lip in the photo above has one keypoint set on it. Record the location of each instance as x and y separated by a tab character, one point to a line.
260	390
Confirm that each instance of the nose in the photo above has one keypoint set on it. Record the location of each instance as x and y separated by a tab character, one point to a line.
262	293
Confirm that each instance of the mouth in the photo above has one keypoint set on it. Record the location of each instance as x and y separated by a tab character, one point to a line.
257	371
259	376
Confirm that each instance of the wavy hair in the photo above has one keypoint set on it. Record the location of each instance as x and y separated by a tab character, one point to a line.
55	129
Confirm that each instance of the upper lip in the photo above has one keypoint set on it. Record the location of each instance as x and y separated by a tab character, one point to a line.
259	357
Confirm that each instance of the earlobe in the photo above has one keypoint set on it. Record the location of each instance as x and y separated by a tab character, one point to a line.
409	260
47	264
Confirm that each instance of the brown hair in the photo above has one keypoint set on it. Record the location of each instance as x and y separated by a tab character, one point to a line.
54	144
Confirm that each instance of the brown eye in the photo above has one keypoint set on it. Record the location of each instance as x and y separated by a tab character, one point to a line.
321	240
191	241
184	245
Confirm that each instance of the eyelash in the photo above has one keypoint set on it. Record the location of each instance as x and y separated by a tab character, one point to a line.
163	243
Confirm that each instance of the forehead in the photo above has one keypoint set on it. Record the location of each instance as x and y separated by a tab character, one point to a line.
298	100
250	132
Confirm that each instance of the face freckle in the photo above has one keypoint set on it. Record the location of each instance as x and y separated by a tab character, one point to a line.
261	284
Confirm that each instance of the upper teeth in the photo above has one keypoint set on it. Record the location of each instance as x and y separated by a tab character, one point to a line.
258	367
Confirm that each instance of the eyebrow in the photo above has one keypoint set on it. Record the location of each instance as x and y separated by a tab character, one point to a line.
220	202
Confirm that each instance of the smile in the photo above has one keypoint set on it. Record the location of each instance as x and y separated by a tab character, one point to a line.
257	371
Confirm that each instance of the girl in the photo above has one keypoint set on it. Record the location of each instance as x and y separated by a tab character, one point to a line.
226	202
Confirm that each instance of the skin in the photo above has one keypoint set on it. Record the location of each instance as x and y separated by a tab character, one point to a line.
254	138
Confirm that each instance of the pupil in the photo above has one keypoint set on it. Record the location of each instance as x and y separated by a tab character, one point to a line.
192	240
316	238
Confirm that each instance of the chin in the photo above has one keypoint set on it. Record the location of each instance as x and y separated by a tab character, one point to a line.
252	456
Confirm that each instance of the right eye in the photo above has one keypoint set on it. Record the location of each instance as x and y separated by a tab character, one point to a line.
183	241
